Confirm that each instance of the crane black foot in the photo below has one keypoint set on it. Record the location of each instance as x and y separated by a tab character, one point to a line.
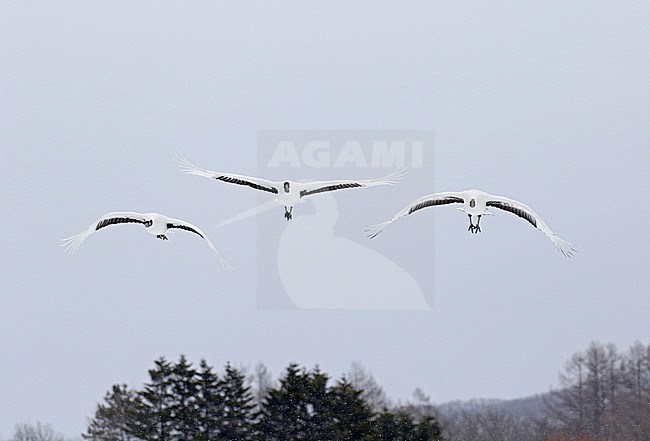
474	228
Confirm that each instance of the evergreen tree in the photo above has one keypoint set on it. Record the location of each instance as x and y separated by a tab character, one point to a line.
210	404
288	410
184	391
428	429
304	407
155	414
350	417
318	404
400	426
237	404
116	419
392	426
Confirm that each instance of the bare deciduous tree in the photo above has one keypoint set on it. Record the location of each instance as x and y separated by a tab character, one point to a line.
483	422
35	432
260	381
372	393
605	395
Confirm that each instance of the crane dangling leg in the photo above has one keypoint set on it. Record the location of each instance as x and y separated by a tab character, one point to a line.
287	213
474	228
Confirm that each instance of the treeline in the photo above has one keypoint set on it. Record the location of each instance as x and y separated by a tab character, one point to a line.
604	395
181	403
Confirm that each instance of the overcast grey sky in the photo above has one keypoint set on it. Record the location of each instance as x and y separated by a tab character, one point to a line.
544	102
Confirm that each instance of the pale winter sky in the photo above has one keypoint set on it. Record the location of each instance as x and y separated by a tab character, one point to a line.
547	103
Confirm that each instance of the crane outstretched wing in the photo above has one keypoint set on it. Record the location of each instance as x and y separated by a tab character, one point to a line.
119	217
256	183
182	225
527	213
316	187
431	200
